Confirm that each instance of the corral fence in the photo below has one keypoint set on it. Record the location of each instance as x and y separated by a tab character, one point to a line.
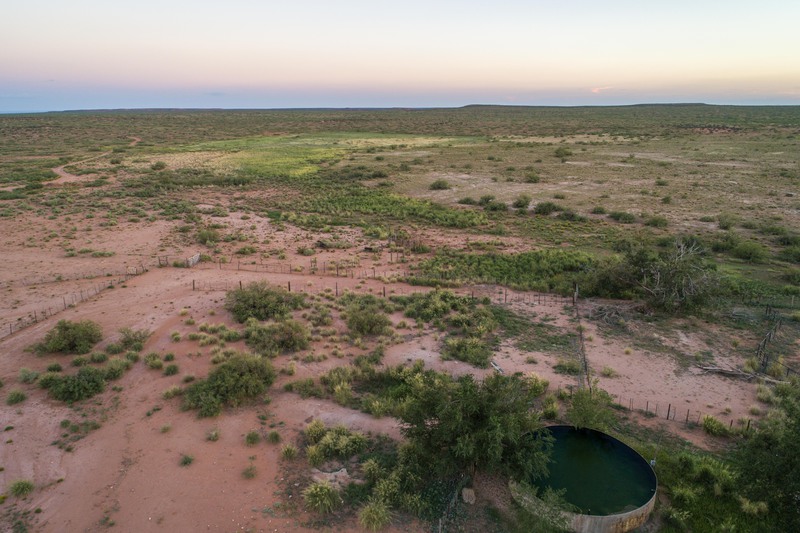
70	300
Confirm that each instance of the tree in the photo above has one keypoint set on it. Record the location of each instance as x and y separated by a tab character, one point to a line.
769	462
464	425
675	281
589	408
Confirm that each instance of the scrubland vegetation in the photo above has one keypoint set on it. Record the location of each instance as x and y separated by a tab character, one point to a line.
661	219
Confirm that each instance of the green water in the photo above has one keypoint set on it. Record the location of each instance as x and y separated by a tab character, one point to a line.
601	475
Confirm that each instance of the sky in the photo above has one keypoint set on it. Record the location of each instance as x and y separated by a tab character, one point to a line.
107	54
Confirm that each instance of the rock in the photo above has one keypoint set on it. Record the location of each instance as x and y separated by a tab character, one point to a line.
338	479
468	495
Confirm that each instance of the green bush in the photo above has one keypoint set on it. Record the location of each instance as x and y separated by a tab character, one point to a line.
116	367
712	426
85	384
622	216
252	438
16	396
171	370
439	185
314	431
375	515
20	488
285	336
470	350
98	357
321	497
208	237
260	301
71	337
367	320
27	376
546	208
237	380
522	201
131	339
48	379
288	452
153	361
749	251
567	366
657	222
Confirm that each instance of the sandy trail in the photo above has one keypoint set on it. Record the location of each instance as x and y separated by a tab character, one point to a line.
66	177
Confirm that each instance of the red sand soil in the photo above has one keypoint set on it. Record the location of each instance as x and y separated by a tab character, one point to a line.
128	471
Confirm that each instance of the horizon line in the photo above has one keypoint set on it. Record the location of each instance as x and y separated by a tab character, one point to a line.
381	108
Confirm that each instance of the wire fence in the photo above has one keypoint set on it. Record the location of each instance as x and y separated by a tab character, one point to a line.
69	300
692	418
494	294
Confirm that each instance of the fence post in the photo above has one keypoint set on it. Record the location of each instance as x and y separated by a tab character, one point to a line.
192	284
289	283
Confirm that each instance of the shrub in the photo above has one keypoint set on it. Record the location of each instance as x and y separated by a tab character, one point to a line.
274	437
80	361
114	348
71	337
172	392
439	185
657	222
749	251
260	301
133	339
315	430
252	438
20	488
367	320
289	452
186	460
213	435
240	378
546	208
562	152
712	426
622	216
85	384
171	370
567	366
48	379
16	396
249	472
321	497
116	367
54	367
98	357
153	361
375	515
27	376
598	210
285	336
470	350
208	237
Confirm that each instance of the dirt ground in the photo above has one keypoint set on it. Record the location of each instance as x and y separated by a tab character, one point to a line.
127	471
